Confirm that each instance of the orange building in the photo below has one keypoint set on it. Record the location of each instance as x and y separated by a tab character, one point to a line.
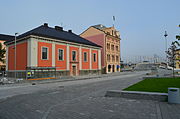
109	39
46	52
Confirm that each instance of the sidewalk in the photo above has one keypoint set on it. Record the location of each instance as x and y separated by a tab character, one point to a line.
84	77
62	79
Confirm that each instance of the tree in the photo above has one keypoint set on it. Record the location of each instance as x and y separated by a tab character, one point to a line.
177	36
2	53
172	54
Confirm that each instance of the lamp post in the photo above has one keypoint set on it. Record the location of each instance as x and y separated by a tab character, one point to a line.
15	54
165	35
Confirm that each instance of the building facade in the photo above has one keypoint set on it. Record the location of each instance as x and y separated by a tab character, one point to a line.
47	52
177	59
109	39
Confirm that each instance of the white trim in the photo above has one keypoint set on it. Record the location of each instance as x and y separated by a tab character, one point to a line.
87	48
77	46
53	54
34	52
7	48
50	41
88	69
74	64
80	58
44	39
90	59
47	52
58	54
65	42
67	57
19	42
29	52
99	59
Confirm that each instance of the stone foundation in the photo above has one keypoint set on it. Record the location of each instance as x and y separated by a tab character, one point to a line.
88	72
19	74
46	74
62	73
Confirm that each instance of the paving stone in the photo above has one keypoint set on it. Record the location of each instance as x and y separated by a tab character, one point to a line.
80	100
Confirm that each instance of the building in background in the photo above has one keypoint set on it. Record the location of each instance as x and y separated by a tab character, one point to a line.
109	39
4	38
177	59
47	52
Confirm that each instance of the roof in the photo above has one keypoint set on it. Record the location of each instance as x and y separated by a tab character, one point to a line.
4	37
59	34
103	28
99	26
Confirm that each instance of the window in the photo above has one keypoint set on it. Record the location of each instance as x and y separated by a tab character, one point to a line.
74	55
117	48
94	57
117	58
85	56
113	58
44	53
61	54
108	58
112	47
108	46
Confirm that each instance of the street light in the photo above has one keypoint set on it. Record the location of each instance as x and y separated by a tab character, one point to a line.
165	35
15	54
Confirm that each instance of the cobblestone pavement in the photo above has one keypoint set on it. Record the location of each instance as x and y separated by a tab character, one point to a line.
85	99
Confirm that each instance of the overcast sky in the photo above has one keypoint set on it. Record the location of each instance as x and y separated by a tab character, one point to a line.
141	22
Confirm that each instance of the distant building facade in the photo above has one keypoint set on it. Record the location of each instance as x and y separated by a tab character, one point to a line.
47	52
4	38
177	59
109	39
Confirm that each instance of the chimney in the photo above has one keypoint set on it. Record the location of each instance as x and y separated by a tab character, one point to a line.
46	24
70	31
59	28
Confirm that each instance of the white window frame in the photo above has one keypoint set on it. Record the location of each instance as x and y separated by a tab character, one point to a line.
42	52
95	57
86	56
75	55
58	54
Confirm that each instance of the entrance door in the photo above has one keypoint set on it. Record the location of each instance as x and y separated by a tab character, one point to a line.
113	68
74	70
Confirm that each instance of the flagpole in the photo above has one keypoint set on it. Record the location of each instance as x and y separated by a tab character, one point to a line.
113	21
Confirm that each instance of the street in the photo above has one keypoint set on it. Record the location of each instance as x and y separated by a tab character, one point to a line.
81	99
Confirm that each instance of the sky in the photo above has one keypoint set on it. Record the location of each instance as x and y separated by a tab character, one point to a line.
141	23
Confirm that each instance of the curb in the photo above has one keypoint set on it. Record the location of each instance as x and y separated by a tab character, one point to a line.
73	79
137	95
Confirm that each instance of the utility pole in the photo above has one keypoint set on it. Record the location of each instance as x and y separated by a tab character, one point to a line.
165	35
15	55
